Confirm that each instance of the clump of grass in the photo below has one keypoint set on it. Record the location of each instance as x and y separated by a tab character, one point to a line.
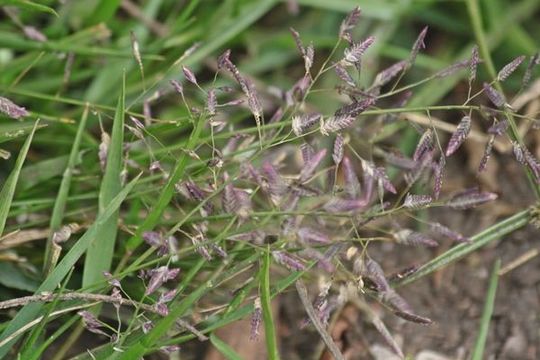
239	190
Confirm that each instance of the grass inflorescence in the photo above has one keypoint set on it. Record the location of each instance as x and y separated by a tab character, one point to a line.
179	189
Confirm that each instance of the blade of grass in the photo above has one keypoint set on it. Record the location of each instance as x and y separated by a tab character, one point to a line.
103	11
384	10
100	252
28	5
224	348
269	327
13	130
145	344
11	41
31	311
479	346
481	239
8	190
105	351
63	192
27	350
166	195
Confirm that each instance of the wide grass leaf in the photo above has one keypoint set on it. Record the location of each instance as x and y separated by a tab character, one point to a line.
100	252
8	190
28	5
63	192
12	277
224	348
32	310
459	251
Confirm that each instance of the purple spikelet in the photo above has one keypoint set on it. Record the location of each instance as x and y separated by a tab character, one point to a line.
470	198
533	61
409	237
307	52
417	201
297	41
498	128
352	185
353	54
413	317
276	186
438	176
449	233
425	145
473	63
194	193
372	270
310	236
345	116
288	260
487	154
356	108
379	174
34	34
103	149
247	87
518	153
348	24
459	136
337	154
12	110
211	102
302	123
338	205
342	73
152	238
229	199
307	152
177	87
532	163
309	167
158	277
494	96
334	124
418	45
91	323
256	319
385	76
190	76
453	68
509	68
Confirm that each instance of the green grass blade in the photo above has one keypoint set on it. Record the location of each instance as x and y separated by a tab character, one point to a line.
100	252
139	348
28	348
104	10
8	190
224	348
269	327
61	199
480	344
166	195
13	130
28	5
384	10
32	310
13	41
483	238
